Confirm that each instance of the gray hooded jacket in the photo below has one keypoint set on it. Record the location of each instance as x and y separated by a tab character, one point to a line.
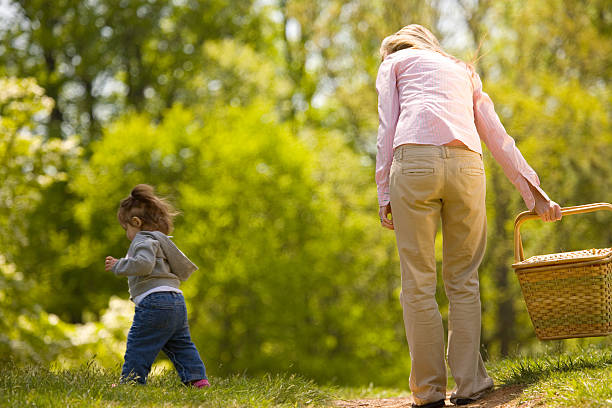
153	260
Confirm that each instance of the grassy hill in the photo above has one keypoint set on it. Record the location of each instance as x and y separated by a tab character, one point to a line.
578	379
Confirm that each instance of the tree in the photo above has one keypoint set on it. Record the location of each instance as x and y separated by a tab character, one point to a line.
98	58
288	280
29	164
330	54
546	71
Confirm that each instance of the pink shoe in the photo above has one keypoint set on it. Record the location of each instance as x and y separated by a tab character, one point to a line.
201	383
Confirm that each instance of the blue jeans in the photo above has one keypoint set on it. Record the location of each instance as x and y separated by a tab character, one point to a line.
160	323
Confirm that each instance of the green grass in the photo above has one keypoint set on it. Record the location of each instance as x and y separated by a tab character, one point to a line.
532	369
578	378
90	386
581	378
370	391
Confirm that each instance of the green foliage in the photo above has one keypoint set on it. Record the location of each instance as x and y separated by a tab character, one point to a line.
564	133
275	223
98	58
103	339
559	114
27	332
572	39
30	163
258	120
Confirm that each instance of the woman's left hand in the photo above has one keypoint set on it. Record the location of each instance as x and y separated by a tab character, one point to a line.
383	213
548	210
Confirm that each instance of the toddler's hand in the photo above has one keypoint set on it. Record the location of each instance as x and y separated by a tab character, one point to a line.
109	262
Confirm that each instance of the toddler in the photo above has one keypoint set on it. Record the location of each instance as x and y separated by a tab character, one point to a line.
155	268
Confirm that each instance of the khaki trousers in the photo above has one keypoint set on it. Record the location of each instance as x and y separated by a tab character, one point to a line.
429	183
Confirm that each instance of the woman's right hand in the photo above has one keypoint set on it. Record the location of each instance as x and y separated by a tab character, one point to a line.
383	213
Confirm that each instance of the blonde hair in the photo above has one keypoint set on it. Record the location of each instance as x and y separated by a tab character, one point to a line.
418	37
155	213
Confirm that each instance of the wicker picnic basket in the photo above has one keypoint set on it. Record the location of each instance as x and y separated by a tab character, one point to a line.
568	294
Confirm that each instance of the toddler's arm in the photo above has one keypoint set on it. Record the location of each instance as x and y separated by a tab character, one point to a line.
141	263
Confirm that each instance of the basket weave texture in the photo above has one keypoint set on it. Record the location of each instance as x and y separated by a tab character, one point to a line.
568	294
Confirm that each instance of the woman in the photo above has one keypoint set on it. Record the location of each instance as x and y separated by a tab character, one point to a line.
433	114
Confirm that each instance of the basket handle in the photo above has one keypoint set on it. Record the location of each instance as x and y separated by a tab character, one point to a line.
530	215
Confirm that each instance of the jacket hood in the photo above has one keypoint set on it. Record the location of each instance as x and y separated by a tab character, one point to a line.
179	264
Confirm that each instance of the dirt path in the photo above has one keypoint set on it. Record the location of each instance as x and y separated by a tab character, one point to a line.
505	397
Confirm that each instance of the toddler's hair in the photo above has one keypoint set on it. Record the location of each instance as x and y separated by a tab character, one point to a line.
156	213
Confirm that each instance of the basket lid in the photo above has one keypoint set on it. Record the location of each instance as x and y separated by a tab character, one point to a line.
586	255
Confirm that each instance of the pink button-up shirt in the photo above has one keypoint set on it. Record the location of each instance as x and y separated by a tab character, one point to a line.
427	98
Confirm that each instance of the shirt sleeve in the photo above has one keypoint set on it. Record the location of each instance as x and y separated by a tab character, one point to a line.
503	146
388	114
142	261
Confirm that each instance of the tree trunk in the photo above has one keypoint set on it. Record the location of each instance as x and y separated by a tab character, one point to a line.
504	331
